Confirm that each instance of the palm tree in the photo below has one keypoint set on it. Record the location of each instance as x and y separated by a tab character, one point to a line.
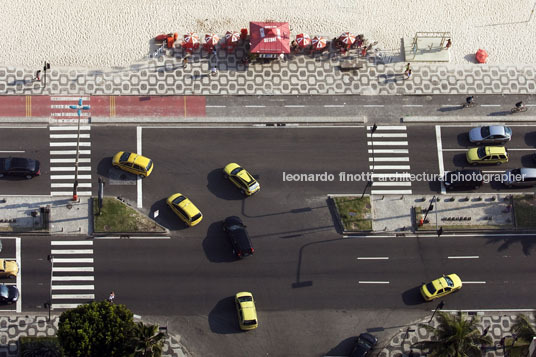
148	342
523	329
455	336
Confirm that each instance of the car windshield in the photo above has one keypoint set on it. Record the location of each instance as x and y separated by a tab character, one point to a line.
245	298
508	131
250	322
236	171
18	163
449	281
234	227
196	217
431	288
361	341
481	152
484	131
149	165
4	292
178	200
124	157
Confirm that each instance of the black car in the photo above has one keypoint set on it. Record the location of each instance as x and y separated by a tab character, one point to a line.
364	344
238	235
18	166
463	179
8	294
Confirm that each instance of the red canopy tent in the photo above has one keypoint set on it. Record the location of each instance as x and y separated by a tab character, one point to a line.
269	39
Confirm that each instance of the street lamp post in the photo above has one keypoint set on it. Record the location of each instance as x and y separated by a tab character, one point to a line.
79	109
438	307
370	182
49	303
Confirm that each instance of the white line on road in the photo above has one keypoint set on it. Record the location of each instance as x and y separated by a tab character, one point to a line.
388	151
72	287
215	106
70	143
387	135
389	167
490	105
66	168
64	306
139	202
464	257
388	143
390	192
255	106
70	128
451	105
412	105
69	136
388	127
372	282
492	171
455	149
399	175
334	106
71	242
386	159
373	106
72	251
63	185
135	237
70	193
405	183
73	260
69	177
440	157
73	278
473	282
70	160
73	269
69	152
372	258
514	149
14	151
73	296
294	106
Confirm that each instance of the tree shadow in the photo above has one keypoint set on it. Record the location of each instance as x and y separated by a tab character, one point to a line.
223	318
222	187
527	243
216	245
530	138
413	296
166	217
528	160
343	348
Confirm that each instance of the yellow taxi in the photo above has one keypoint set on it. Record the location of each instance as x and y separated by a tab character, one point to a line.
133	163
440	287
185	209
241	179
247	314
487	155
8	269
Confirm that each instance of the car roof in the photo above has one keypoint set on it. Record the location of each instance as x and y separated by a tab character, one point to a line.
496	149
528	171
496	130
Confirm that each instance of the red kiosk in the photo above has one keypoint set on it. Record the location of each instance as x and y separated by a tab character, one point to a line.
269	39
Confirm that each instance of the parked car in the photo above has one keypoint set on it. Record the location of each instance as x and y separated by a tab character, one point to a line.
523	177
363	345
133	163
8	294
445	285
463	179
487	155
238	236
241	179
247	314
185	209
494	134
19	166
8	269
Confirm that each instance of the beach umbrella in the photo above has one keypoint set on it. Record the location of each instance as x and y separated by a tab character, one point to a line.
190	42
211	40
303	40
481	56
347	39
319	43
232	38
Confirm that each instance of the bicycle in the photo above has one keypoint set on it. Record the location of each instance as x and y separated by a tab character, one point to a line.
469	105
516	109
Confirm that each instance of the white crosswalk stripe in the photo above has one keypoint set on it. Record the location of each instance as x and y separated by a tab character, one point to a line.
63	145
72	278
389	155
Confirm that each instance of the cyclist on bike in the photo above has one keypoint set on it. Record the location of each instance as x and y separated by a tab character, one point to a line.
470	100
520	105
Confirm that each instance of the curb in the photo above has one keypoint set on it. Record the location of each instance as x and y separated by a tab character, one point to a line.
470	119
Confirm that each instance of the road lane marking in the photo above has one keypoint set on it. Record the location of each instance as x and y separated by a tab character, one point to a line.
139	202
492	171
387	143
69	177
514	149
119	237
63	185
373	105
215	106
452	105
67	168
70	128
64	306
440	157
391	192
72	287
385	159
399	175
372	258
69	136
334	106
70	193
473	282
255	106
389	167
69	152
294	106
372	282
388	151
387	135
454	149
73	296
73	260
72	278
464	257
412	105
71	251
73	269
490	105
490	310
14	151
71	143
388	127
404	183
70	160
71	242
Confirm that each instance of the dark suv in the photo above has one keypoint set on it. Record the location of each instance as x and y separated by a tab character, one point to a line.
463	179
238	235
18	166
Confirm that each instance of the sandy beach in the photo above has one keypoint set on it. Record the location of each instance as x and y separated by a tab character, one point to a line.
105	33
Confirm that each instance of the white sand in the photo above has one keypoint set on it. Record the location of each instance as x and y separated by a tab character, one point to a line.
107	33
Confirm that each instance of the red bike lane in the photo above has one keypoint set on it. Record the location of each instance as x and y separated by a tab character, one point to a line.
104	106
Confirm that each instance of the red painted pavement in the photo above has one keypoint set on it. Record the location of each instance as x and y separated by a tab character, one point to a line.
109	106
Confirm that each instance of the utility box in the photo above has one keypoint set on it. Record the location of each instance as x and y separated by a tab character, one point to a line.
45	217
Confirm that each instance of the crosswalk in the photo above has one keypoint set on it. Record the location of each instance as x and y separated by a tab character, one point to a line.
389	160
72	278
63	149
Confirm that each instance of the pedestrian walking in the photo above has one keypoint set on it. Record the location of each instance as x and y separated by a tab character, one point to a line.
408	73
185	62
37	76
214	52
213	70
111	297
408	67
449	44
364	51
